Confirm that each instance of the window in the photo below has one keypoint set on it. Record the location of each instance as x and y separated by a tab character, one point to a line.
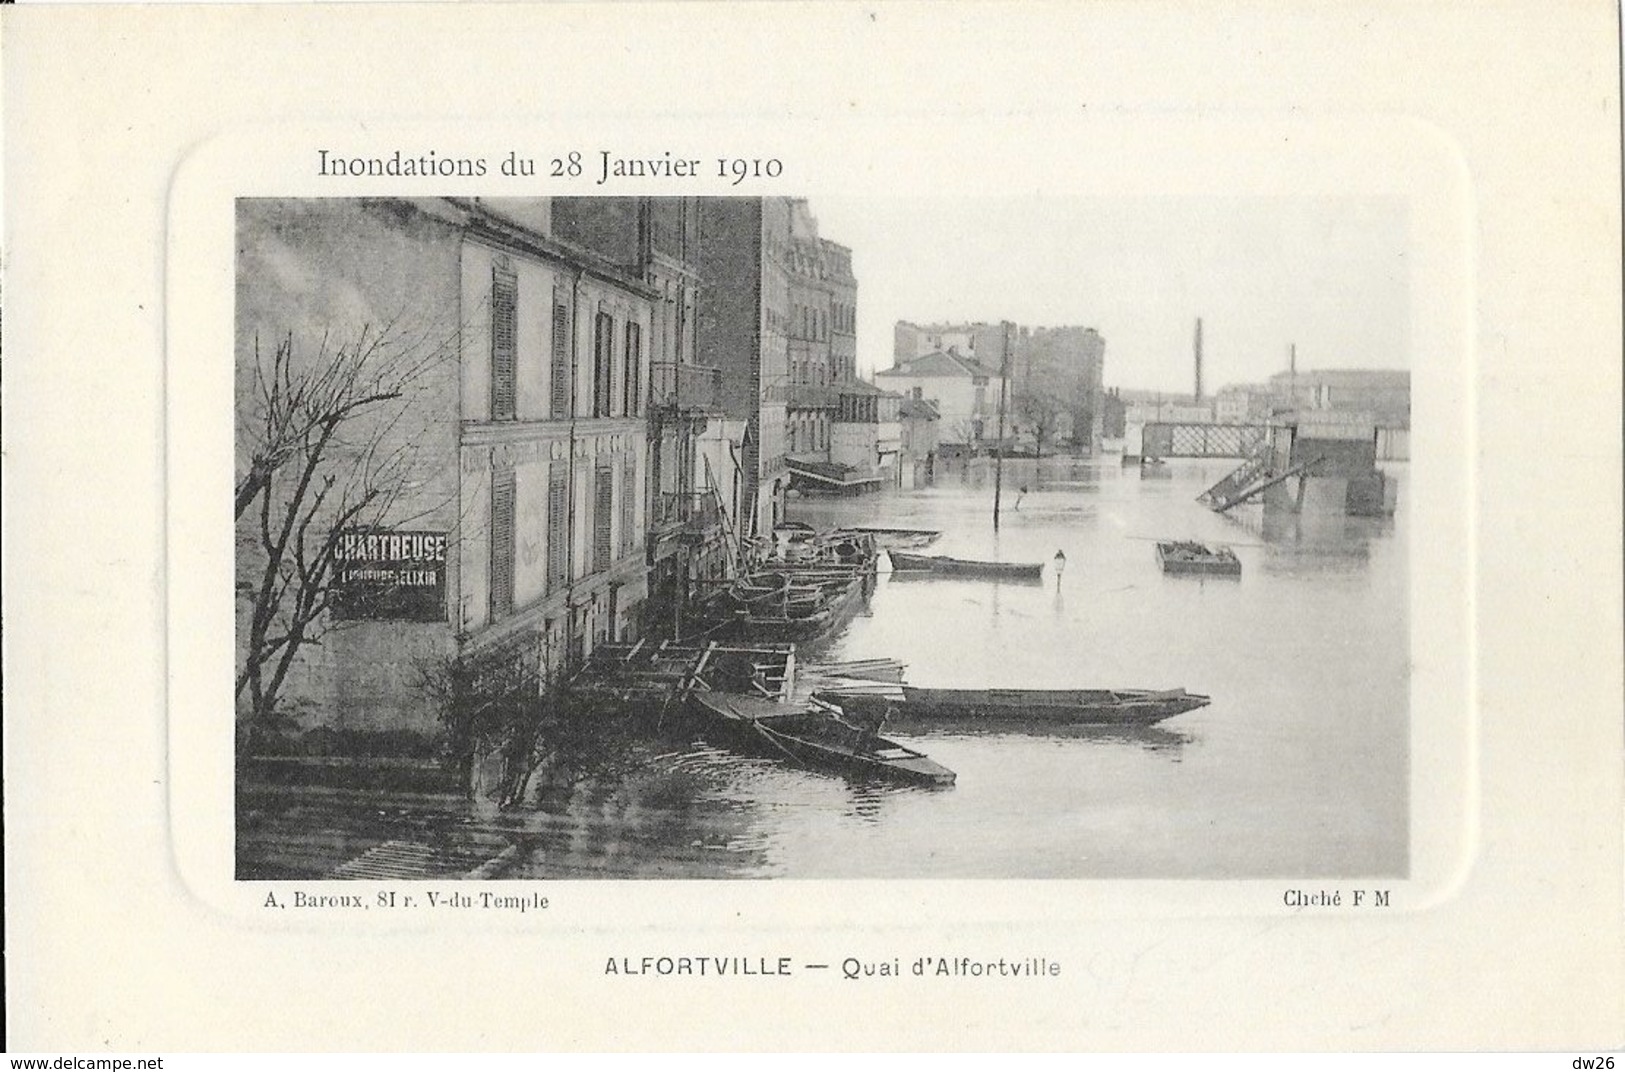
558	527
504	318
561	359
502	495
633	379
602	514
602	368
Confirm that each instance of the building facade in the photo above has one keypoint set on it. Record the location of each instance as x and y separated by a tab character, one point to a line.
743	329
694	494
917	438
964	393
501	452
983	341
1383	394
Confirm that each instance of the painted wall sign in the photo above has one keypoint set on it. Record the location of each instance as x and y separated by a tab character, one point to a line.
399	576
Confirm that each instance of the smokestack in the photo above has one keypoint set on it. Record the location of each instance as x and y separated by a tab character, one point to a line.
1198	359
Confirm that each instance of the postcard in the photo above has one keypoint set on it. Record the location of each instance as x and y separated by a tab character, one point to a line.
667	527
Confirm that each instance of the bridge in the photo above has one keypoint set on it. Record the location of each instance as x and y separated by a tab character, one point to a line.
1170	440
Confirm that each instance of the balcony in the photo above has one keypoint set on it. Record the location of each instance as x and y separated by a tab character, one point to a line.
692	388
686	515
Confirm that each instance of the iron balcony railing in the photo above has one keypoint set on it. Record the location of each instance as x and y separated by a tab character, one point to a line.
686	387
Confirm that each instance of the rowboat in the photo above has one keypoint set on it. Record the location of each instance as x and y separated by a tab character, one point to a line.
815	736
889	536
903	562
1190	557
787	605
1083	707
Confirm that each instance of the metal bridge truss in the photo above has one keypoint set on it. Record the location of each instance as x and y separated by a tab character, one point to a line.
1202	440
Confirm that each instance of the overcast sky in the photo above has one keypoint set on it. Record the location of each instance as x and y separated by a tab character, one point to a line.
1327	274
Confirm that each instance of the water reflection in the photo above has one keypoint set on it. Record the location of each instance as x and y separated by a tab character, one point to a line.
1148	738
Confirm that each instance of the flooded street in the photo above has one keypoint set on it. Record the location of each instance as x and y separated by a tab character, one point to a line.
1299	767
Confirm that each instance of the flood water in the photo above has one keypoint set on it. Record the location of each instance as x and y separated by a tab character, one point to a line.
1299	767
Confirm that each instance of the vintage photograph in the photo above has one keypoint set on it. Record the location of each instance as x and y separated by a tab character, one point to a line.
777	537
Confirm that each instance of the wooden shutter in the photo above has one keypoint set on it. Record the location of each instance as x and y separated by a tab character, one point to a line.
502	502
561	360
629	504
634	370
602	515
558	528
603	350
504	333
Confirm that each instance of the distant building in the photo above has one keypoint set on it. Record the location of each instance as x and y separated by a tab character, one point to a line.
964	393
1066	362
1069	361
822	341
867	434
1384	394
983	341
917	432
1245	404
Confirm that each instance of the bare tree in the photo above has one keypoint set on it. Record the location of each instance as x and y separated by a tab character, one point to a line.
1038	407
510	704
321	450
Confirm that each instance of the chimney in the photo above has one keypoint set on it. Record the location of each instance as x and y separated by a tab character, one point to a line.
1198	360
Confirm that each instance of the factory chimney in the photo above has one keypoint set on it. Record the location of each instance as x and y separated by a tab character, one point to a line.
1198	360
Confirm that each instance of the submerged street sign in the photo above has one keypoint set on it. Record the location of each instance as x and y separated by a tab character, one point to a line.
390	575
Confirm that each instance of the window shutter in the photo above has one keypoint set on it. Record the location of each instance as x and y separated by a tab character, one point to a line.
558	527
502	510
634	369
602	514
504	319
561	360
629	504
603	348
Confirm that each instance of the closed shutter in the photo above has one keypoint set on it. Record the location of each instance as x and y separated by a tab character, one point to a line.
634	370
502	497
629	504
561	360
558	528
504	332
602	515
602	372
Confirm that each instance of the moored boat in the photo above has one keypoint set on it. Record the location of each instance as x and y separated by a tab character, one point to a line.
903	562
890	536
1190	557
1083	707
814	736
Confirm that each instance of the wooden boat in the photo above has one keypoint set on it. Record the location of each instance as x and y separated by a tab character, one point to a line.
1083	707
815	736
797	611
654	676
902	561
890	536
1190	557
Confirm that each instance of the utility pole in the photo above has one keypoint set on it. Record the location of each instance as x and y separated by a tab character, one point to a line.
1292	376
998	445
